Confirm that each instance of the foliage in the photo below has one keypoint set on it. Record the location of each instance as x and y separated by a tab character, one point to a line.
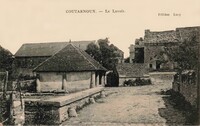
27	86
6	59
185	54
42	116
137	82
177	101
94	51
104	53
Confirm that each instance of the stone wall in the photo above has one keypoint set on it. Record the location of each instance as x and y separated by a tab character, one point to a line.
186	85
55	110
78	85
74	81
51	77
162	77
18	112
50	81
160	37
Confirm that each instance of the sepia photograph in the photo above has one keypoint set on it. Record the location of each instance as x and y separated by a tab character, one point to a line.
99	63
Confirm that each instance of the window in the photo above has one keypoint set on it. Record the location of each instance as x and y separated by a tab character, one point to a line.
150	65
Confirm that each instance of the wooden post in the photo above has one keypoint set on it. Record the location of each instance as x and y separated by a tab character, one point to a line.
5	85
20	92
100	78
63	81
96	78
91	81
20	96
11	107
6	81
4	107
38	85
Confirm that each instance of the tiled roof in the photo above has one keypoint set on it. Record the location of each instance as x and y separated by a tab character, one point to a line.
69	59
47	49
131	70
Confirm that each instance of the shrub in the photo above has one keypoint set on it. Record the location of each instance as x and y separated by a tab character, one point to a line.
137	82
26	86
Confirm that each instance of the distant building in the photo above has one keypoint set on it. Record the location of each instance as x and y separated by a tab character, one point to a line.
30	55
150	50
131	71
137	51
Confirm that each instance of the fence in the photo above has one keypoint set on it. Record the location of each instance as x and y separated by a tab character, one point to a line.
5	103
12	111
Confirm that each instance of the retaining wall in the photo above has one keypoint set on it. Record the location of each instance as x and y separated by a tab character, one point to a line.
14	109
186	85
161	77
18	112
56	110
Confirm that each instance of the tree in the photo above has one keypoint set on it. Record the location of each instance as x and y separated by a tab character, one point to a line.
104	53
185	54
94	51
6	59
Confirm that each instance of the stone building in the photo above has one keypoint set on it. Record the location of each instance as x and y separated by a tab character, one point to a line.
69	69
137	51
151	49
30	55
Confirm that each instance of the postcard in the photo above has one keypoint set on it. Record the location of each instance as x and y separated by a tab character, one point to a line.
92	62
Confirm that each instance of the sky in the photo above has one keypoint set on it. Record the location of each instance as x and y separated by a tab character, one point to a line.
34	21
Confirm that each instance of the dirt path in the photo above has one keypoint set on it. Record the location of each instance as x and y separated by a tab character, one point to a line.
125	106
